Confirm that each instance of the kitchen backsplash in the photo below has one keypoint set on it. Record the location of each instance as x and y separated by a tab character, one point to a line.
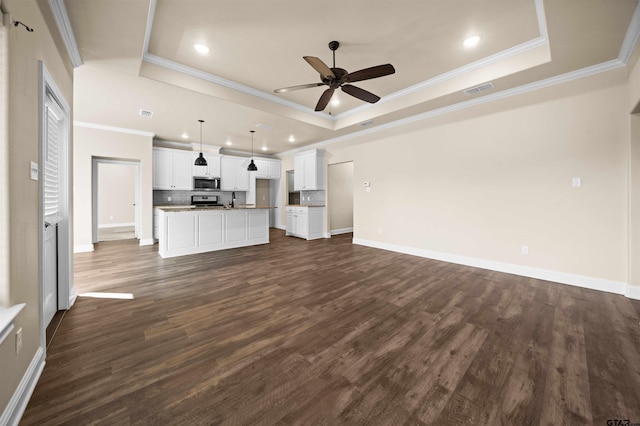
312	197
183	198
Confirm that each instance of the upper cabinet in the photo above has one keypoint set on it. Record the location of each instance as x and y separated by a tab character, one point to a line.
172	169
212	169
308	170
267	168
233	173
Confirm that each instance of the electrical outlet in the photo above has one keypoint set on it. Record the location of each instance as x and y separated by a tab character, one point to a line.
524	249
168	198
19	340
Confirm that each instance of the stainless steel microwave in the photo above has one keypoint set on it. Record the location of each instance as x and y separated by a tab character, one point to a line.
206	184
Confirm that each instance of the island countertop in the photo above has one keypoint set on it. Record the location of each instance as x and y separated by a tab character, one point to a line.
203	208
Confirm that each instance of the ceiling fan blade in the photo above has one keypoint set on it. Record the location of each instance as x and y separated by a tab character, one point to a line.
369	73
302	86
360	93
320	66
324	99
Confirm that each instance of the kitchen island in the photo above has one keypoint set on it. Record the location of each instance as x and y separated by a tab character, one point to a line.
191	230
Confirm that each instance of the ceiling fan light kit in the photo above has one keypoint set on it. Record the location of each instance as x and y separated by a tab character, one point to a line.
339	78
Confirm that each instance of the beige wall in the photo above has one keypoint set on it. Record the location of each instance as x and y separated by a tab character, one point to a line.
91	143
340	196
484	181
25	51
116	194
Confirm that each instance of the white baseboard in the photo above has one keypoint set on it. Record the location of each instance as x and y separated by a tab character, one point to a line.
84	248
147	242
115	225
633	292
341	231
326	234
509	268
18	403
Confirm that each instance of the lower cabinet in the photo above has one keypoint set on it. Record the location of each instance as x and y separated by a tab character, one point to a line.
305	222
197	231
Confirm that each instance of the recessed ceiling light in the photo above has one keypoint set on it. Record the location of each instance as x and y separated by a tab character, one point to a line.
335	101
472	41
264	148
228	143
184	135
292	138
201	48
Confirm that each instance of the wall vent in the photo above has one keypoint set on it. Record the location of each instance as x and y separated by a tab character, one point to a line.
479	89
366	123
146	113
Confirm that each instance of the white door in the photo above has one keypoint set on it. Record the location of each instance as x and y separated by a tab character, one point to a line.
52	214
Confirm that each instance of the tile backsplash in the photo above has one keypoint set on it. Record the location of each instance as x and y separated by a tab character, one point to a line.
183	198
312	197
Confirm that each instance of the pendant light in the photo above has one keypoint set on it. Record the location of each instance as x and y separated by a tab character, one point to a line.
252	166
201	161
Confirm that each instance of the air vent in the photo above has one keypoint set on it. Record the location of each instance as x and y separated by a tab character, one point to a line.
366	123
146	113
264	126
479	89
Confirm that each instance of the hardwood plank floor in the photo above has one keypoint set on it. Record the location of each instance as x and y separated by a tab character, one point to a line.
325	332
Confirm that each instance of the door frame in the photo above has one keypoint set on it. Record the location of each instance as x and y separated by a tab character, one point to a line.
66	290
95	163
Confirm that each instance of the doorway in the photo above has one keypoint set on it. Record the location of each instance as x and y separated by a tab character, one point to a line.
340	198
115	199
56	282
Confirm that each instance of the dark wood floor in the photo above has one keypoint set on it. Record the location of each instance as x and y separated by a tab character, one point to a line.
325	332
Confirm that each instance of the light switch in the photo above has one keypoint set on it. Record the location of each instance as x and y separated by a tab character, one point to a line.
34	171
576	182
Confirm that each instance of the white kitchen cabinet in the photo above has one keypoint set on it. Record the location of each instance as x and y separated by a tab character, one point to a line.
308	170
267	168
212	169
172	169
305	222
233	173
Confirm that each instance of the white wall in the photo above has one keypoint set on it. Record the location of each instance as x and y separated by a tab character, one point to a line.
481	182
340	196
89	143
116	194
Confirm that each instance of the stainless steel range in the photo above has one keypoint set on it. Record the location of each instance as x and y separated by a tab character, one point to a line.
205	201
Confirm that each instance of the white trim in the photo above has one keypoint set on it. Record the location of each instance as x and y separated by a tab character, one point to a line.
115	225
7	315
583	281
341	231
537	85
631	37
18	403
147	242
83	248
113	129
632	292
66	31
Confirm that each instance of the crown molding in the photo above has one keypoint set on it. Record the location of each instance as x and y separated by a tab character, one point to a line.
113	129
631	37
64	26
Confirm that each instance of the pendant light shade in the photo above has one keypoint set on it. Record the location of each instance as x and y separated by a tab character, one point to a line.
201	161
252	166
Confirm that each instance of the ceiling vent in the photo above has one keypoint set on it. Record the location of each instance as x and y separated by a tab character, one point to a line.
366	123
146	113
478	89
264	126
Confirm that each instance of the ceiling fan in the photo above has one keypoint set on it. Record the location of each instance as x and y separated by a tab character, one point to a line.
339	78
